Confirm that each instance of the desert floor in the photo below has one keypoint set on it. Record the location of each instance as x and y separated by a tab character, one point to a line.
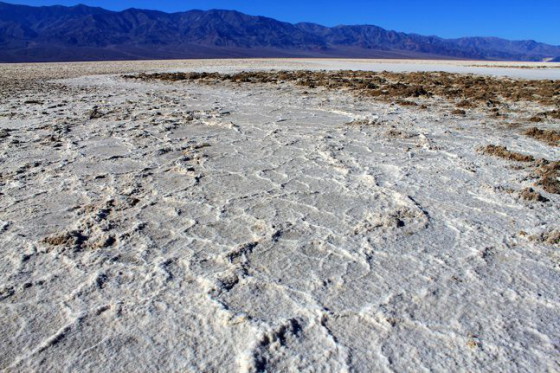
149	225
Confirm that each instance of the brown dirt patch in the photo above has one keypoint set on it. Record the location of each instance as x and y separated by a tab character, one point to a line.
72	238
478	90
529	194
406	103
550	137
553	114
549	173
503	152
535	119
459	112
548	238
466	104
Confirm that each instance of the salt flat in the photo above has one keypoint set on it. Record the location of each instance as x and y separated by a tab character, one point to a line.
148	225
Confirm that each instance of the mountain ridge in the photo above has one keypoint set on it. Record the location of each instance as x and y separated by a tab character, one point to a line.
80	32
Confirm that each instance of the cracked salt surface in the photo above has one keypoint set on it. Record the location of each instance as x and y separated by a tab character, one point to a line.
251	228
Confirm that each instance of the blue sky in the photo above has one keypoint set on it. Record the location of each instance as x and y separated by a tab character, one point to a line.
511	19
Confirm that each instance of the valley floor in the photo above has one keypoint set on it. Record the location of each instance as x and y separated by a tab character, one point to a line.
175	226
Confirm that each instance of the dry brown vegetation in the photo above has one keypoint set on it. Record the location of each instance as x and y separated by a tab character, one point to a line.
471	89
550	137
503	152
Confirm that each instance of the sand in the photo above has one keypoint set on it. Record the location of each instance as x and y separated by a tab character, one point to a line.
156	226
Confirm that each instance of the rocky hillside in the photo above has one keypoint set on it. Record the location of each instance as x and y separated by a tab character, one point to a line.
58	33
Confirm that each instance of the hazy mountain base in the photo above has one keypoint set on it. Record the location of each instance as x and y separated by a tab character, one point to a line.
56	53
171	226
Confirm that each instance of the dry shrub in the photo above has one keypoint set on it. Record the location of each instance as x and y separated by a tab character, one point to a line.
550	137
503	152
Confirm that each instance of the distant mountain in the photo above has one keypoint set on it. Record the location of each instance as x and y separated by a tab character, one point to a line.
58	33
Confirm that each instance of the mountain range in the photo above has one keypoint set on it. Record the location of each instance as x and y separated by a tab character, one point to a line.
82	33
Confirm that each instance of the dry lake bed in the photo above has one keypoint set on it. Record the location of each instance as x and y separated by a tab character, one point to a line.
280	216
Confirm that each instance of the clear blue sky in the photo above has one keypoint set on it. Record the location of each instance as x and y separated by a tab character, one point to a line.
511	19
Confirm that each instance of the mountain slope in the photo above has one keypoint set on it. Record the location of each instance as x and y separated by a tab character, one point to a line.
58	33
